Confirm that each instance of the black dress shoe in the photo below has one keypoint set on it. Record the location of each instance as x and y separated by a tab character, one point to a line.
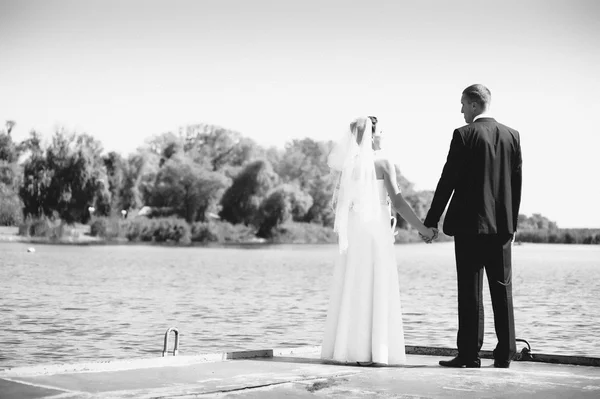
501	364
458	362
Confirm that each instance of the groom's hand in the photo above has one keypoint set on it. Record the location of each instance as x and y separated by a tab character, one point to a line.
429	240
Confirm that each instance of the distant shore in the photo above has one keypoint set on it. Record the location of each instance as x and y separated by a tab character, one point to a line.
80	235
11	234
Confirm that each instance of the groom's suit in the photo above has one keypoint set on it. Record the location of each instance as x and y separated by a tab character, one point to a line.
483	175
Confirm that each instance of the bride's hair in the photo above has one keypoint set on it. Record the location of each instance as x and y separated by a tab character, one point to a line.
373	123
359	125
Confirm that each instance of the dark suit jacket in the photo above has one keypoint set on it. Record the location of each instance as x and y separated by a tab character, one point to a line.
483	171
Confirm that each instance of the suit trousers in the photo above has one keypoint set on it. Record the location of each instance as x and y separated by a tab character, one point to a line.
474	253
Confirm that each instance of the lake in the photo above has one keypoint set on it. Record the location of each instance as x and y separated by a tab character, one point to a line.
84	303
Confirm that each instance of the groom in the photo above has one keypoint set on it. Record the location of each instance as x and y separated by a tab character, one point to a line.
483	175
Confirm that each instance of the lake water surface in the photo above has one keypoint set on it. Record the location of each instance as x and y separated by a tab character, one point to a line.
84	303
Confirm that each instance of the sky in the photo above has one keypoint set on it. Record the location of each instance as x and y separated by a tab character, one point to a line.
274	71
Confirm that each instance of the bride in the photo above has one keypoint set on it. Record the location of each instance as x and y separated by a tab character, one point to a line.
364	318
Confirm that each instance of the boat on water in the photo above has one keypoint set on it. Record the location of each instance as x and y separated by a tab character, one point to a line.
300	373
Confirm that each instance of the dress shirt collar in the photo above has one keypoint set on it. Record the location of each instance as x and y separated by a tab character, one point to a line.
482	115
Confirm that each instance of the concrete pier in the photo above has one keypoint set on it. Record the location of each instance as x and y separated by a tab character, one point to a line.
294	373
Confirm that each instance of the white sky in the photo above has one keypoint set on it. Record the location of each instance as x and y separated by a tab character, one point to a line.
277	70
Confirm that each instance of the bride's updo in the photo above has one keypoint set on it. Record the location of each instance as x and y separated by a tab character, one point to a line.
359	126
373	123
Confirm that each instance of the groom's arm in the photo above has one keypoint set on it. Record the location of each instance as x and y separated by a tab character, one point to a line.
517	181
448	180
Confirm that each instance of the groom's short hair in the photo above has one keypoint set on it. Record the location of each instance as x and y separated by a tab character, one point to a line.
479	94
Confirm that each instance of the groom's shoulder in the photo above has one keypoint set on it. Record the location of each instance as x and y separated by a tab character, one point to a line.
482	126
510	129
502	127
466	129
463	128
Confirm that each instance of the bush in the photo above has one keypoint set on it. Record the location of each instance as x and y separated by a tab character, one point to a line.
11	207
273	211
100	227
310	233
303	233
42	228
53	229
140	229
109	228
35	228
222	232
559	236
159	230
204	232
284	203
176	230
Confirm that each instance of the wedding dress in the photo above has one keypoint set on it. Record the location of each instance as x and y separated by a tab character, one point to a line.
364	318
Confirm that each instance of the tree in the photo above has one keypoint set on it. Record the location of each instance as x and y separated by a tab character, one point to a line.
147	177
133	172
274	155
10	174
158	143
281	205
68	179
536	222
240	202
217	148
304	163
31	145
34	190
113	162
124	177
9	156
188	189
213	147
9	152
321	211
11	206
88	181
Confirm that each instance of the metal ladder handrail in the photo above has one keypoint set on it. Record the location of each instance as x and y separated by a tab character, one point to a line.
176	346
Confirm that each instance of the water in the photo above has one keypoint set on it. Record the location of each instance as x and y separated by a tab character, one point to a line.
72	304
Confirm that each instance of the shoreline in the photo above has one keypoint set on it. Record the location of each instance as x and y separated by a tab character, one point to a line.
10	235
97	241
82	238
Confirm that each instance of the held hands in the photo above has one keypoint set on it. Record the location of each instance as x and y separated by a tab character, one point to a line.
432	234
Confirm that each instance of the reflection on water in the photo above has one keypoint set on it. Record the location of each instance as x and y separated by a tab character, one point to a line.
71	304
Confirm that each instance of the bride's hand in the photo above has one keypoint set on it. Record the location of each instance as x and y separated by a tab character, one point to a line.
430	235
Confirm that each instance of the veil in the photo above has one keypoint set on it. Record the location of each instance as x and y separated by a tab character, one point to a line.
356	191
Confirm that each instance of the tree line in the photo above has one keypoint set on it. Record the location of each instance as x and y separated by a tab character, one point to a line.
198	173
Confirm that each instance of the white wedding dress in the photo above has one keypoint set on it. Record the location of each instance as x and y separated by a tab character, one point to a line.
364	318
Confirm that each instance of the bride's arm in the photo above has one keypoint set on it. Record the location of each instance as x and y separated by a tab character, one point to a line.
398	202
